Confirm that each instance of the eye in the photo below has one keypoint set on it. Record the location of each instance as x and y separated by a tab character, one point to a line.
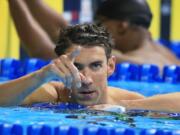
96	65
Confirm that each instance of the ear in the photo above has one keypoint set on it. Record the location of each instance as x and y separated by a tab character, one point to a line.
122	27
111	65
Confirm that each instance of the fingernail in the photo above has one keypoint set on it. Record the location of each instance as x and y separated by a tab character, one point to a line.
75	53
78	85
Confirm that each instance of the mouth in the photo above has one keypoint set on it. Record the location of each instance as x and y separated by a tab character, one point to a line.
87	92
85	95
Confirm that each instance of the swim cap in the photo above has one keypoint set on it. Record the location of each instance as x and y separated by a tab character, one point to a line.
134	11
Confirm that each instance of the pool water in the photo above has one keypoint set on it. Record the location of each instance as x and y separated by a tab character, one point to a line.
82	117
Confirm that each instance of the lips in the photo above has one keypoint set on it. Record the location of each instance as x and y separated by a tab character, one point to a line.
86	92
85	95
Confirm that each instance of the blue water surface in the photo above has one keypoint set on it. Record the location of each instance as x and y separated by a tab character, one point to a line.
83	117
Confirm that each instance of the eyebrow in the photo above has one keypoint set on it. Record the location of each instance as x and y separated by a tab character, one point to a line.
98	61
79	64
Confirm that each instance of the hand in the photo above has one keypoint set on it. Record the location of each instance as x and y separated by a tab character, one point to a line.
63	68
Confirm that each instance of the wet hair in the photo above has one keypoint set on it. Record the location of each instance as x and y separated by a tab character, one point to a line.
86	35
134	11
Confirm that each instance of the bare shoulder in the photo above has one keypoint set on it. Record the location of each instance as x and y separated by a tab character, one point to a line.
122	94
164	50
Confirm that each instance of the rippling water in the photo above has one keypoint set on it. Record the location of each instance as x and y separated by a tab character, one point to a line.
80	116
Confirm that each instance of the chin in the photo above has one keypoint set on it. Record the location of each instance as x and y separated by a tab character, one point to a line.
87	103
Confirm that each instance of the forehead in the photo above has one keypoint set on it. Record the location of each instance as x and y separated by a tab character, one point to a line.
89	54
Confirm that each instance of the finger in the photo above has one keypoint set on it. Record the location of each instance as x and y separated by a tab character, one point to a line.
73	70
51	71
74	53
69	82
67	73
82	77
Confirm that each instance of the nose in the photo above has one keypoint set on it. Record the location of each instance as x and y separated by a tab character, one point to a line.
86	77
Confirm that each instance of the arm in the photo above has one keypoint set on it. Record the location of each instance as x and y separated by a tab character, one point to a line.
14	92
46	93
30	89
19	90
165	102
48	18
38	44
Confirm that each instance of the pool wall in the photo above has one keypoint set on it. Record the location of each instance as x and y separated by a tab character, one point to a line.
16	129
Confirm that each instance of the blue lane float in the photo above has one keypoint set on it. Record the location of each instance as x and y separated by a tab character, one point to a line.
171	74
146	73
72	130
11	129
12	68
9	68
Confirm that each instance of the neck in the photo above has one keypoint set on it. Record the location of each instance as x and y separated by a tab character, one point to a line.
137	40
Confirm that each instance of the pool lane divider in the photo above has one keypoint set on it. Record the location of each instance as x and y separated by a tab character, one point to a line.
17	129
12	68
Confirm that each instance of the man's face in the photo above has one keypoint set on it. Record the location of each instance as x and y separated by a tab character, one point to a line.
113	28
94	68
120	33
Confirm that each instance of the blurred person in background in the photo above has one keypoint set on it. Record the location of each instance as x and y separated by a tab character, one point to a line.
128	21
